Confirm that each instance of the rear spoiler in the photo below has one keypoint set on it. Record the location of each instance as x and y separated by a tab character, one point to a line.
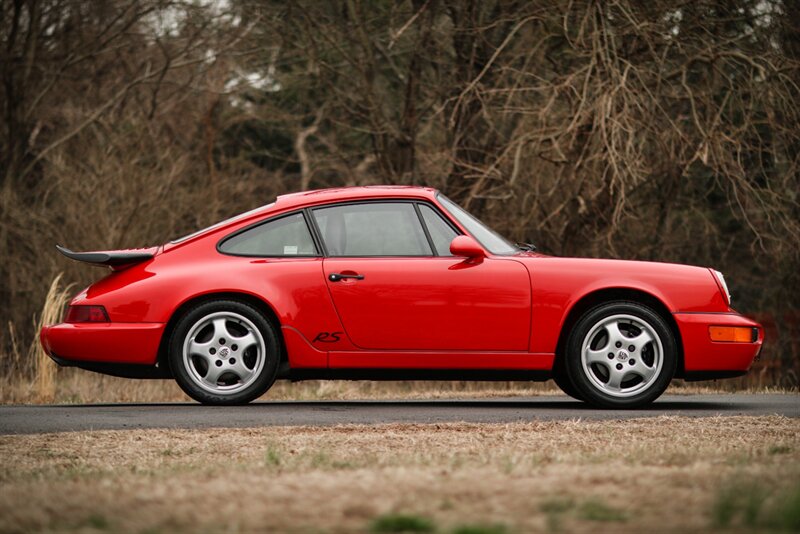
114	259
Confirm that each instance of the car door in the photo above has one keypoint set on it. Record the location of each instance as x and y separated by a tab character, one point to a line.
395	285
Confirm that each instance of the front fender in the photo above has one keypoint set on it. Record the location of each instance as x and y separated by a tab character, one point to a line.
560	284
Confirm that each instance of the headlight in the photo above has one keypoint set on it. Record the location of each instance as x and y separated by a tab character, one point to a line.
723	285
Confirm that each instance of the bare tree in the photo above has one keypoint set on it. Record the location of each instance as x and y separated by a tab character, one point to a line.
656	130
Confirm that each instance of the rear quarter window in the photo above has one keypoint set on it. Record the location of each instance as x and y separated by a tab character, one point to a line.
287	236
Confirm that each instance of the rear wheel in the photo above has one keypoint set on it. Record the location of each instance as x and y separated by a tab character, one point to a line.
224	352
621	355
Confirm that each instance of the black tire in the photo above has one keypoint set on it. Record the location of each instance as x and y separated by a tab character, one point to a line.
562	381
258	381
588	379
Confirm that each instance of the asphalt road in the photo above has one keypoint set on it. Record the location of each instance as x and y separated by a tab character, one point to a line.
65	418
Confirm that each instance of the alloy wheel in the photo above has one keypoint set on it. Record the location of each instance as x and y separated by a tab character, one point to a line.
224	352
622	355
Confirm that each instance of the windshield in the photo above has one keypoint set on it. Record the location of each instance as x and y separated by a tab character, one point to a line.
220	224
491	240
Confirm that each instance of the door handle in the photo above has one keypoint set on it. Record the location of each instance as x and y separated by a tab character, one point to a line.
335	277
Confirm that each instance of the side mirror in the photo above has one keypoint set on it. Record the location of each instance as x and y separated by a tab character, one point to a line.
465	246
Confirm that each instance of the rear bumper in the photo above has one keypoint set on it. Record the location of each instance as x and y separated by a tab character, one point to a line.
123	343
703	357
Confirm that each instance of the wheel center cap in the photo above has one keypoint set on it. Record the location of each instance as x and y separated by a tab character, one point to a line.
622	356
223	352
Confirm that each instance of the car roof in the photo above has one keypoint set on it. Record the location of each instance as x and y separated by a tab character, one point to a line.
309	198
353	193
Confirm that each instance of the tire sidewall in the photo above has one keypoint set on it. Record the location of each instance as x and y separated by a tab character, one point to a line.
562	380
271	358
577	374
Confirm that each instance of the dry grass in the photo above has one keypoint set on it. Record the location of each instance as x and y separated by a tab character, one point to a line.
79	387
667	473
44	370
74	386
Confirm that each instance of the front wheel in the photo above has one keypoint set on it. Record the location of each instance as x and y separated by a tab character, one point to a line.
224	352
562	381
621	355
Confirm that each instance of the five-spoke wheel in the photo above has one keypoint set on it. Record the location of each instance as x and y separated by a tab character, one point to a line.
621	355
224	352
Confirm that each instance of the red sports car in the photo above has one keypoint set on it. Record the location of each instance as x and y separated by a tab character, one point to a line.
394	283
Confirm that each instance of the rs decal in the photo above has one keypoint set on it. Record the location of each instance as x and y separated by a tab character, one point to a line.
328	337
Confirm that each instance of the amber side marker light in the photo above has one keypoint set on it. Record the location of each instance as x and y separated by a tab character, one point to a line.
733	334
86	314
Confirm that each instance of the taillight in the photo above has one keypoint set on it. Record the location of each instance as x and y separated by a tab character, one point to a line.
86	314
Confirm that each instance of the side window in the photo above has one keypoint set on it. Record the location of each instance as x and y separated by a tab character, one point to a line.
442	234
287	236
372	229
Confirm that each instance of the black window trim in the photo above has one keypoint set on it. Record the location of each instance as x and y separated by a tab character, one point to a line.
316	234
267	221
438	212
425	229
388	200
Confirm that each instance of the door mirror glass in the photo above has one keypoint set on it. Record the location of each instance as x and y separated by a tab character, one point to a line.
466	247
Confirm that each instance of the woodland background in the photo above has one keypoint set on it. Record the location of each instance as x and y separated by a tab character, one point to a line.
658	130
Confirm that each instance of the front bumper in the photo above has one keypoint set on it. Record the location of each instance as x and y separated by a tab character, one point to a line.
701	355
129	343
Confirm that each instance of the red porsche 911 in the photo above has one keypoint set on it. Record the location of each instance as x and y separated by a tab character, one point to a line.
394	283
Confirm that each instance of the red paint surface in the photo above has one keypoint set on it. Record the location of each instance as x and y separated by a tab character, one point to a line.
702	354
433	303
493	313
104	342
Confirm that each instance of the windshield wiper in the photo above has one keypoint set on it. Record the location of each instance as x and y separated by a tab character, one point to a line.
526	247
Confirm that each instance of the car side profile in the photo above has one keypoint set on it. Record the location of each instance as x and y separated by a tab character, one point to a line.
394	282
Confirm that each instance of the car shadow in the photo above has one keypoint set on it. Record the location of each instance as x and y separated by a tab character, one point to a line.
565	404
